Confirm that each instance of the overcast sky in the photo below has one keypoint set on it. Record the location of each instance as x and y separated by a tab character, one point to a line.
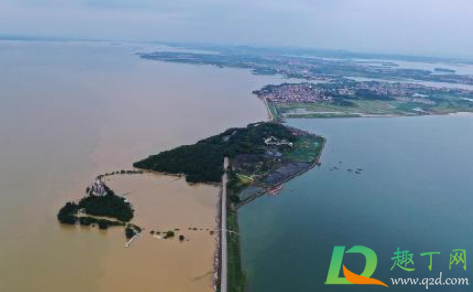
428	27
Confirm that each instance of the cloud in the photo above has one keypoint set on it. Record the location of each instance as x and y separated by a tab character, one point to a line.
438	27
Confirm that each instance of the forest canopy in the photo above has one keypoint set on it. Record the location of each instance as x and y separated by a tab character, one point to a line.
203	161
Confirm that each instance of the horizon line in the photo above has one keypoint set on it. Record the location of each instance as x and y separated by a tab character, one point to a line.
367	54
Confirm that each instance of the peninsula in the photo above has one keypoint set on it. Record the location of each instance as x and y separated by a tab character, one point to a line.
261	157
348	98
341	85
311	65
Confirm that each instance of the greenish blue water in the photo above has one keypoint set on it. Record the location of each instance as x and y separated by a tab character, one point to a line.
414	192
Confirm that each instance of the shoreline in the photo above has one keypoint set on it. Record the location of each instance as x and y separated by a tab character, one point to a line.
317	161
390	116
271	117
261	193
348	115
234	250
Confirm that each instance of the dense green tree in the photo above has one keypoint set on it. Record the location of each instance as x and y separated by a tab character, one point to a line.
203	161
67	214
110	205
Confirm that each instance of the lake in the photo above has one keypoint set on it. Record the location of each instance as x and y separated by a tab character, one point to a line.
414	192
72	110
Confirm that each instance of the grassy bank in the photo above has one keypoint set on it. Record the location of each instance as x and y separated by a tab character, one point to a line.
362	108
236	276
307	148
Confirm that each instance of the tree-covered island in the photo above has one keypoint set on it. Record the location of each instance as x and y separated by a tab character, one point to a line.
101	206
